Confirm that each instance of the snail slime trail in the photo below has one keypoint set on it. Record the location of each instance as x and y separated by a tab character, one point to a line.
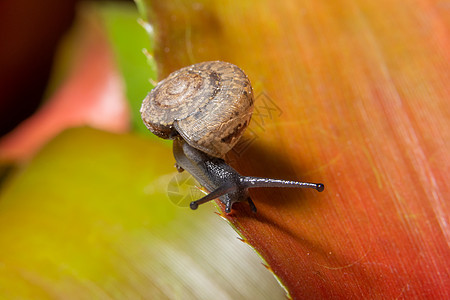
205	108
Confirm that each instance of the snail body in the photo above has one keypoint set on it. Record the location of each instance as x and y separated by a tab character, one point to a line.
223	181
205	109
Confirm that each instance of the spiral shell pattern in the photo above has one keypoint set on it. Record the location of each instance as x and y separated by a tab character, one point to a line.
209	104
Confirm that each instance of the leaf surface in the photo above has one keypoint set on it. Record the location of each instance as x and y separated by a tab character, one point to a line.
353	94
91	217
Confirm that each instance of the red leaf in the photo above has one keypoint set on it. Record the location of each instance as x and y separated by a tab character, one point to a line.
363	90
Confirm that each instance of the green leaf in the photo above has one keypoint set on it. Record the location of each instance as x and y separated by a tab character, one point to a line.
130	41
90	217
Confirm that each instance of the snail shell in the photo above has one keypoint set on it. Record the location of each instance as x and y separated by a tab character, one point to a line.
209	104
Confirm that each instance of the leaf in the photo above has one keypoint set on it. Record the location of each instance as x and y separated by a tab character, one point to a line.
130	43
89	93
351	94
90	217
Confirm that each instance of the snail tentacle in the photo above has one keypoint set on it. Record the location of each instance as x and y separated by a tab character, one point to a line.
220	191
254	182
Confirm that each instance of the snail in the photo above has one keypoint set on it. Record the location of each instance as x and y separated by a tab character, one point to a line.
205	109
